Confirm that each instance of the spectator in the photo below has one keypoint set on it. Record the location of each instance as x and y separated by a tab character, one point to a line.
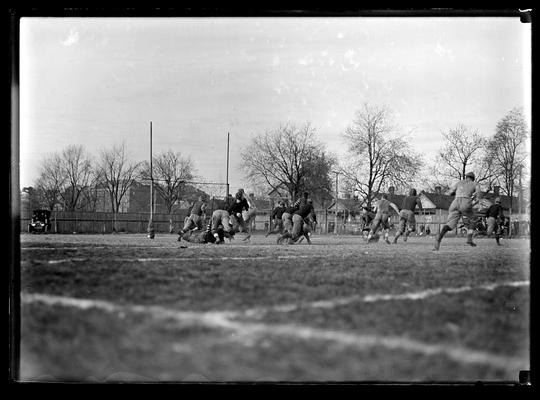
515	227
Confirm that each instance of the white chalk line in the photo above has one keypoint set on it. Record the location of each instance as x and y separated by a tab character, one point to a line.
158	259
97	247
246	330
260	312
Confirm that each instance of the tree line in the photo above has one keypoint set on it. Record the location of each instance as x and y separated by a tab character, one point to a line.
290	160
70	179
378	156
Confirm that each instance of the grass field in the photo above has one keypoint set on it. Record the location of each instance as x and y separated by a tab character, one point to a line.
124	307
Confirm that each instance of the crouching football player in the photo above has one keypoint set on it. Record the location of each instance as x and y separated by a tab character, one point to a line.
196	217
305	211
221	219
277	213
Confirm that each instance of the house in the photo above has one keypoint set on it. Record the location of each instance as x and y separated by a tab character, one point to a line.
321	199
397	199
279	193
137	199
438	203
435	203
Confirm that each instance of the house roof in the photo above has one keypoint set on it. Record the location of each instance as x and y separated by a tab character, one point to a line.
506	202
348	204
441	201
397	199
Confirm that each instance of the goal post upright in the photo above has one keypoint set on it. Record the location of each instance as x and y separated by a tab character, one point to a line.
150	229
227	174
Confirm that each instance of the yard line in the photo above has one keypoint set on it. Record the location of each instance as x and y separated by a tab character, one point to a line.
244	330
220	258
57	248
75	259
98	247
260	312
156	259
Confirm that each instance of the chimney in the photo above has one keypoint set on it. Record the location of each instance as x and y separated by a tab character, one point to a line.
438	189
496	190
391	190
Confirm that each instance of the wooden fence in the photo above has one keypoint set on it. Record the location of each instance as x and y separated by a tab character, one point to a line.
102	222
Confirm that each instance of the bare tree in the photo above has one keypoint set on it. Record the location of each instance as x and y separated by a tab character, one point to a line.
286	158
117	175
170	172
51	182
464	150
318	179
89	195
77	168
508	149
377	157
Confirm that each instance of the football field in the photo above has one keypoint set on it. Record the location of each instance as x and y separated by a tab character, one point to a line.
123	307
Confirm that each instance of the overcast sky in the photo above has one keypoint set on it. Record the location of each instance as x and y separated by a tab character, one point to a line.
98	81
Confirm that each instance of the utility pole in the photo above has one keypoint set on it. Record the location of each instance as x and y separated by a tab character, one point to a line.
336	211
150	228
520	198
227	179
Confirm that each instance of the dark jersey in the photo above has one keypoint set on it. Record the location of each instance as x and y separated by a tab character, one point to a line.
495	211
410	202
278	212
305	210
290	209
202	237
237	206
368	216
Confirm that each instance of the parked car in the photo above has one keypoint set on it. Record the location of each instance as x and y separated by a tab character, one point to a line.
40	222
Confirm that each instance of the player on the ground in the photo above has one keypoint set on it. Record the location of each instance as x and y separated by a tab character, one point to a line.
407	221
196	216
462	205
381	217
495	218
276	215
206	236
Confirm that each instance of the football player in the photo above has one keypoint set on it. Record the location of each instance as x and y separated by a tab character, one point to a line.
196	217
381	218
495	218
406	215
276	215
462	205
